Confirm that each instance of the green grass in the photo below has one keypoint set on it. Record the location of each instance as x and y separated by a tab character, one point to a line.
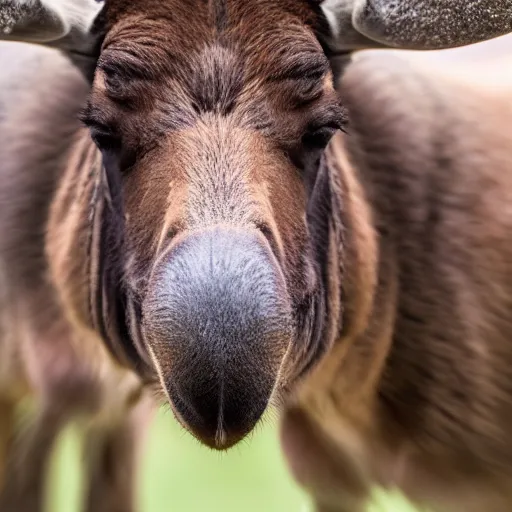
179	475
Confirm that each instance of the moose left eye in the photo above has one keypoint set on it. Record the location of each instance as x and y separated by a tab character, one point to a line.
104	138
319	138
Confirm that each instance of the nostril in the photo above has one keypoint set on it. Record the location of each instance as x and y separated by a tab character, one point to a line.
173	231
265	229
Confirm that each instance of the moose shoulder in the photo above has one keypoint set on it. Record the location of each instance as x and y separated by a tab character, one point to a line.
221	239
43	356
419	398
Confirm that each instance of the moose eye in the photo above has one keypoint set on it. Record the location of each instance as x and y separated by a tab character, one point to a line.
102	133
318	138
104	138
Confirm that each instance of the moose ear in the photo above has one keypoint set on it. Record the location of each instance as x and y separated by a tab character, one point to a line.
408	108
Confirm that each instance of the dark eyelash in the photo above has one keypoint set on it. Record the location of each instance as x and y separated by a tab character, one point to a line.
128	69
332	115
326	123
105	140
91	116
101	133
320	136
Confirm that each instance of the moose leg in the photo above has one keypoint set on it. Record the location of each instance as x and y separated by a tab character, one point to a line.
329	473
27	460
112	455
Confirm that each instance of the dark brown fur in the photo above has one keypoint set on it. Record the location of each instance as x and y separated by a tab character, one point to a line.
160	94
419	397
386	341
42	357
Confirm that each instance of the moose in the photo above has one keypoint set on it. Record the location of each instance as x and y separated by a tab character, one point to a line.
230	232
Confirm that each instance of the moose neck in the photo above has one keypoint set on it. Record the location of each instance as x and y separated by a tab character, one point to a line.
83	223
361	296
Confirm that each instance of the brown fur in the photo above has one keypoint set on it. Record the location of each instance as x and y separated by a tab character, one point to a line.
42	356
420	399
249	97
392	247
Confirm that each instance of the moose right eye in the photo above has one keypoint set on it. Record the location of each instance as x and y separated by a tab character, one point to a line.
320	137
105	141
104	138
103	135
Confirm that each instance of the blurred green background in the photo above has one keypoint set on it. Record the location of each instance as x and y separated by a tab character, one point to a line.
180	475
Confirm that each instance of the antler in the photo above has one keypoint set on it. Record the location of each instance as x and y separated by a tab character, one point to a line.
60	23
355	24
416	24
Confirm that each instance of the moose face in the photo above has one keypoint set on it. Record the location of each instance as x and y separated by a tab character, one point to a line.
212	120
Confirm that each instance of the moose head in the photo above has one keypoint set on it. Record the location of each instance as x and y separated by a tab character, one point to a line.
190	248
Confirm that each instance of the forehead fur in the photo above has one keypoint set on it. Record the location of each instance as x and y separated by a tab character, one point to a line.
212	55
224	13
183	27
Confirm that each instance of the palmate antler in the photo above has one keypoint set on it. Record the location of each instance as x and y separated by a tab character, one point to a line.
47	21
63	24
416	24
411	24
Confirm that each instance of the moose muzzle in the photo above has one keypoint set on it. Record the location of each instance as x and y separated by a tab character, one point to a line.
217	319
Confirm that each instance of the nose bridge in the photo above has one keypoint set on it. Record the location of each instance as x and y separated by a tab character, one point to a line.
224	186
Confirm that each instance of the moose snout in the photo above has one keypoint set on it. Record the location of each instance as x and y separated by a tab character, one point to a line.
217	319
